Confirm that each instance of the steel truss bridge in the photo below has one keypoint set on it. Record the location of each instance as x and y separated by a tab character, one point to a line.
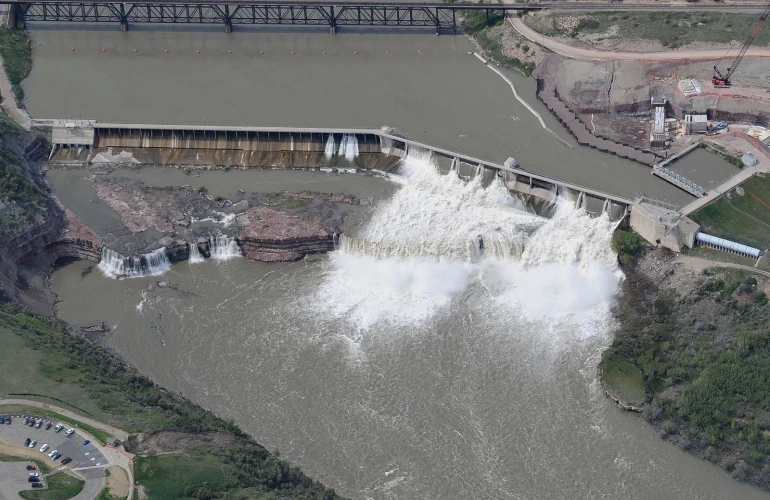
441	17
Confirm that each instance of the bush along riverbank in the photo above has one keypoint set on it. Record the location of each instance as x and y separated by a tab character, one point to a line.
500	42
692	352
16	51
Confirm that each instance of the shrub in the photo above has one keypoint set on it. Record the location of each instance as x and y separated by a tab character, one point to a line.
628	245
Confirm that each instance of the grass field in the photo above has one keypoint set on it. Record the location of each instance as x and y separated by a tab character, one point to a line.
42	466
61	486
183	476
728	219
623	378
16	50
672	29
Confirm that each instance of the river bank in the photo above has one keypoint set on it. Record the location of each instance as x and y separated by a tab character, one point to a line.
689	354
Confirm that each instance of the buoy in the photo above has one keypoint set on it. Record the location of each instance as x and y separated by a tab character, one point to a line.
324	52
387	52
356	52
198	51
419	51
166	51
104	50
292	52
261	51
134	50
73	49
229	51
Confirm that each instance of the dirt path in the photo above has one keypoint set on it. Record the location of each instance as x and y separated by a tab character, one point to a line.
699	265
603	55
117	482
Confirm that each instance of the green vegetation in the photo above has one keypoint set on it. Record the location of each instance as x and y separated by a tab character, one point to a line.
16	50
13	458
183	476
703	361
203	190
476	24
61	486
745	219
672	29
628	245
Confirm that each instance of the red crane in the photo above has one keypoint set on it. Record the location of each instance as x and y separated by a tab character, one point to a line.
723	79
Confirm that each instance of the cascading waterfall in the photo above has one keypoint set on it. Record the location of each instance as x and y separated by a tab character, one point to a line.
348	147
440	235
223	247
195	254
115	265
330	147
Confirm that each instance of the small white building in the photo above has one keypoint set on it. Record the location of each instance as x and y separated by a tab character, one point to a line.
658	134
695	124
749	160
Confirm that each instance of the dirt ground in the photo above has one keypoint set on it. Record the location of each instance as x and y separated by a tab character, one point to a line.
515	45
154	443
117	482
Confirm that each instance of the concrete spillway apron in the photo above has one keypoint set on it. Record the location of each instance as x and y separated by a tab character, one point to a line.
525	103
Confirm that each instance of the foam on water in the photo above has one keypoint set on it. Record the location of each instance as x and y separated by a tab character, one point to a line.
421	250
348	147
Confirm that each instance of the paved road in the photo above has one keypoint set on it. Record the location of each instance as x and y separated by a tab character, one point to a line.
606	55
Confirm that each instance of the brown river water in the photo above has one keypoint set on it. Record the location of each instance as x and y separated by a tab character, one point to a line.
407	364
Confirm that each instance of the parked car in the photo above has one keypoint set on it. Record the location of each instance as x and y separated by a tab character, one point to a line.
56	456
38	423
69	432
86	442
31	467
7	420
65	461
26	441
34	474
37	485
54	452
48	425
43	448
58	427
2	420
32	444
26	420
31	423
33	479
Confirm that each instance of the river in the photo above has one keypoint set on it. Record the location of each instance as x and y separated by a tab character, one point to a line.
408	364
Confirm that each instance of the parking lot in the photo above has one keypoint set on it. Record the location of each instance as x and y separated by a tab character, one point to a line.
13	478
72	446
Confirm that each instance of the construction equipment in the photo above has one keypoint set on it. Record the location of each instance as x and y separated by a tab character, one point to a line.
723	79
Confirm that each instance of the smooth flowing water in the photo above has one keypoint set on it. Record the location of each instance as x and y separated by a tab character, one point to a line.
411	363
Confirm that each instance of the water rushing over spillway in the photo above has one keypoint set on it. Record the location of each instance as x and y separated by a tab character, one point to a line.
223	247
115	265
410	363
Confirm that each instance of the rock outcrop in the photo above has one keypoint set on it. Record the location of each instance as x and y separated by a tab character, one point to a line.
271	235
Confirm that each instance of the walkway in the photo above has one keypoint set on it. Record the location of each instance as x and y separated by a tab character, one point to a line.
699	265
606	55
117	456
763	165
9	100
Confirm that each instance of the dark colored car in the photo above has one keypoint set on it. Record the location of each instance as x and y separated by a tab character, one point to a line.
26	441
86	442
37	485
31	423
7	420
2	420
26	420
65	461
31	467
33	479
48	425
56	456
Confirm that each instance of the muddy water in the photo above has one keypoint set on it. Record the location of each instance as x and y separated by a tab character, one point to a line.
705	169
428	87
411	369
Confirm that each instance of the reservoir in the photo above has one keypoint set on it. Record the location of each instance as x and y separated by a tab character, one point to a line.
407	364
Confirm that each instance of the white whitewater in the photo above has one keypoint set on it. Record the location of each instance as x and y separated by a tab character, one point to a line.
115	265
330	147
195	254
223	247
349	147
423	248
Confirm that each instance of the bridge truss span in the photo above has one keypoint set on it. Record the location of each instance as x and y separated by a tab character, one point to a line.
442	18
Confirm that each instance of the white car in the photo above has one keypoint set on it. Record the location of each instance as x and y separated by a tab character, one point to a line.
34	474
43	448
54	452
69	432
58	427
32	443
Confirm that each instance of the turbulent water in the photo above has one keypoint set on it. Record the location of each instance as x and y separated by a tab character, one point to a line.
115	265
447	350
